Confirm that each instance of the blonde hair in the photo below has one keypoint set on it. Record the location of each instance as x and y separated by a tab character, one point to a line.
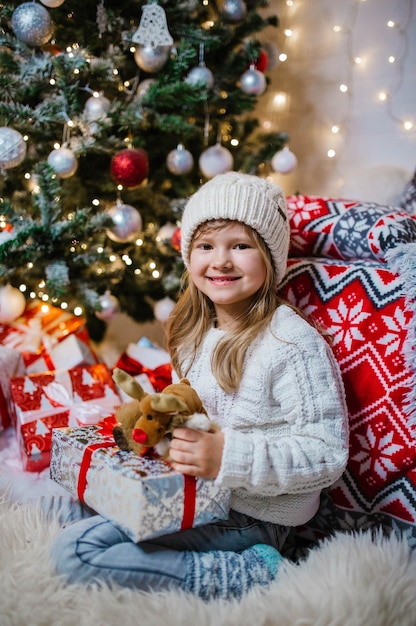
194	315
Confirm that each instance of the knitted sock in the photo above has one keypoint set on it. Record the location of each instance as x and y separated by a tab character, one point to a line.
226	575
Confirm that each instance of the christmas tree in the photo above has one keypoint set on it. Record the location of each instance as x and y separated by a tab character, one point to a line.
111	114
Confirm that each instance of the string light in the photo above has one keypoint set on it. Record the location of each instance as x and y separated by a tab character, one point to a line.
378	63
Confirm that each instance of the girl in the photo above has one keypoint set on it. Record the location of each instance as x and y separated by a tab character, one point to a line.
265	376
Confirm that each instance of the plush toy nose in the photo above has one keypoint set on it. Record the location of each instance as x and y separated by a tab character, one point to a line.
139	435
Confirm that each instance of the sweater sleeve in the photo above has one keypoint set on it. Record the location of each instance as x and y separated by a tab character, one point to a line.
302	446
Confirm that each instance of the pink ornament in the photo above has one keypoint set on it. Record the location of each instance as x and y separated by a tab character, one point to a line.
163	308
109	307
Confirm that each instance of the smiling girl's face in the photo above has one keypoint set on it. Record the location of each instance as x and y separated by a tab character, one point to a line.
228	267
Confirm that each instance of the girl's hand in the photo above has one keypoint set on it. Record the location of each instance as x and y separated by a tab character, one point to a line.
196	452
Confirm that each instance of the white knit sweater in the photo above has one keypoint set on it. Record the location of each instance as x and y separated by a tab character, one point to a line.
286	428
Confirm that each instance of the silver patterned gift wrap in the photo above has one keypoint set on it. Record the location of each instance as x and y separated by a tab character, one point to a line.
145	497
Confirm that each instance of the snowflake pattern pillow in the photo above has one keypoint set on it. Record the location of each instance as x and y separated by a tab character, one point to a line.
362	306
346	229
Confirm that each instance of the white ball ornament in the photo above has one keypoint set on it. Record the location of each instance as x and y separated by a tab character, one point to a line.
12	304
253	82
200	75
284	161
64	162
232	11
127	223
96	108
179	161
12	148
216	160
143	88
110	306
32	24
162	309
151	58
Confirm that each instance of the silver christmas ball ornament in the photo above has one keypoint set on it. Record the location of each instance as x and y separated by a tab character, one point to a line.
200	75
32	24
232	11
253	82
63	161
151	58
164	239
143	88
215	160
12	148
127	223
179	161
96	108
284	161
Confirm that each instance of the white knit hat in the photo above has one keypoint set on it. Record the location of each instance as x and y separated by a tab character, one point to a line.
248	199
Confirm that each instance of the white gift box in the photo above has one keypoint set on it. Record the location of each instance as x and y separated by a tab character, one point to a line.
69	353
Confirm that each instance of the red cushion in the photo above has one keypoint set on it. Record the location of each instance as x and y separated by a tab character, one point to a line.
362	306
346	229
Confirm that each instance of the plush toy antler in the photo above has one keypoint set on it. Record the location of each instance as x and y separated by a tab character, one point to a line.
147	420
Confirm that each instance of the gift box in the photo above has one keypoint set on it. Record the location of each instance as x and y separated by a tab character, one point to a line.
42	402
72	351
144	358
40	328
145	497
11	364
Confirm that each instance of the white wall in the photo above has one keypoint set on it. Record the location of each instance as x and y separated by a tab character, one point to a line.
375	156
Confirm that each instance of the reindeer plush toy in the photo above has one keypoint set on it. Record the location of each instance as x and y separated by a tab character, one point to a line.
146	423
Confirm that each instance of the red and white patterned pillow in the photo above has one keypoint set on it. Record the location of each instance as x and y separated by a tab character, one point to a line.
362	305
346	229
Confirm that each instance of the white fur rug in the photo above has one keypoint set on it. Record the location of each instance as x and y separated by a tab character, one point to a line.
348	581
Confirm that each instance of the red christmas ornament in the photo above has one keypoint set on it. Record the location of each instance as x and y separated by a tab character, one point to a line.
130	167
52	48
262	62
176	239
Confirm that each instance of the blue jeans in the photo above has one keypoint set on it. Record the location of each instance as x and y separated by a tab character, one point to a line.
95	550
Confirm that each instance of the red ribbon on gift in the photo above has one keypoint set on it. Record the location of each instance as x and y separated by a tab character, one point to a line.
105	429
160	377
106	426
4	410
189	502
86	462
